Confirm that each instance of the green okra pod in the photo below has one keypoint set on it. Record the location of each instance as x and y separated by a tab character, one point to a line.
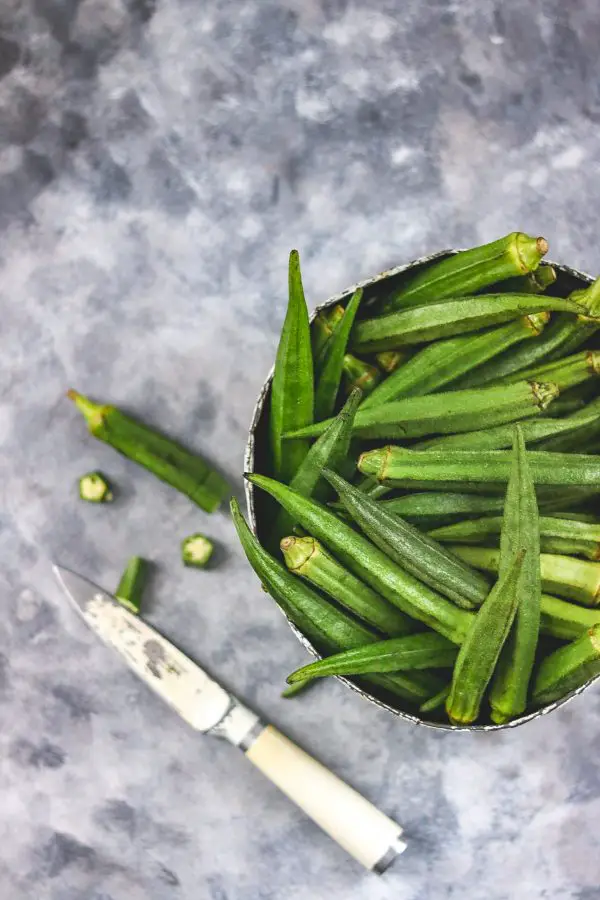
566	373
565	576
545	433
331	449
307	558
442	362
432	509
165	458
418	554
469	271
437	701
323	326
510	682
398	466
568	668
292	389
331	361
294	689
415	651
361	375
567	537
457	316
479	653
564	335
445	413
370	564
564	620
535	282
132	583
327	627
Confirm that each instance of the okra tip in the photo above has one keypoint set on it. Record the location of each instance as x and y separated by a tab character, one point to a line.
542	245
85	406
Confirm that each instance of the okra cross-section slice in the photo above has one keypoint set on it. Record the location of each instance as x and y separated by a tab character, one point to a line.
95	488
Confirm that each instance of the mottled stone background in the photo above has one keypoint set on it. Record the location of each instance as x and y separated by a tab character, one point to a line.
157	162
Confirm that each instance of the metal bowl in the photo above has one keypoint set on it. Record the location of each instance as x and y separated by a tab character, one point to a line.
256	455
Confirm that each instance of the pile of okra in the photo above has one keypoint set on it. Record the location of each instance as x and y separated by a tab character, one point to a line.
432	477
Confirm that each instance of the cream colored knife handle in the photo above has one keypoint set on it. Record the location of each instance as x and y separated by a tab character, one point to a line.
358	826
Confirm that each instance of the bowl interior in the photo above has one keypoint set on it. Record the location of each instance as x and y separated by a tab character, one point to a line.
261	508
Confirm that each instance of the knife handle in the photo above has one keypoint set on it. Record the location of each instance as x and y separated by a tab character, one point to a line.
358	826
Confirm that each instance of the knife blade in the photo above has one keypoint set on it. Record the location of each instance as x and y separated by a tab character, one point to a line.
359	827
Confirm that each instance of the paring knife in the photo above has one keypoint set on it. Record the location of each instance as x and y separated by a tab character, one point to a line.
358	826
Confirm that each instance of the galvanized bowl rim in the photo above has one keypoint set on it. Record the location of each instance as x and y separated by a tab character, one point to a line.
249	461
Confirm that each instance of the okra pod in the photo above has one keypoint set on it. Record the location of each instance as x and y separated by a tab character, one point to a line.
445	413
389	360
165	458
545	433
331	449
332	360
416	651
471	270
510	682
563	536
294	689
442	362
564	335
535	282
132	583
457	316
429	508
370	564
361	375
307	558
323	326
436	701
327	627
568	668
292	388
565	576
398	466
418	554
479	653
564	620
565	373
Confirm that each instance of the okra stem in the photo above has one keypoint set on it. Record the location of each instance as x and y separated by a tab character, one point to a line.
165	458
442	362
307	558
446	412
397	465
574	579
390	360
361	375
457	316
568	668
535	282
471	270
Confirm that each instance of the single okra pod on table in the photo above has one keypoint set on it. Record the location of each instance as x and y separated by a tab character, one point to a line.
564	620
307	558
323	326
132	583
541	431
449	317
398	466
479	653
165	458
196	550
327	627
565	373
442	362
469	271
444	413
292	388
535	282
510	682
361	375
563	536
415	651
568	668
564	335
331	449
418	554
95	488
565	576
370	564
331	360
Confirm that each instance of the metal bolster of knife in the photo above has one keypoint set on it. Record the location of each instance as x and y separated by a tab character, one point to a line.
239	726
